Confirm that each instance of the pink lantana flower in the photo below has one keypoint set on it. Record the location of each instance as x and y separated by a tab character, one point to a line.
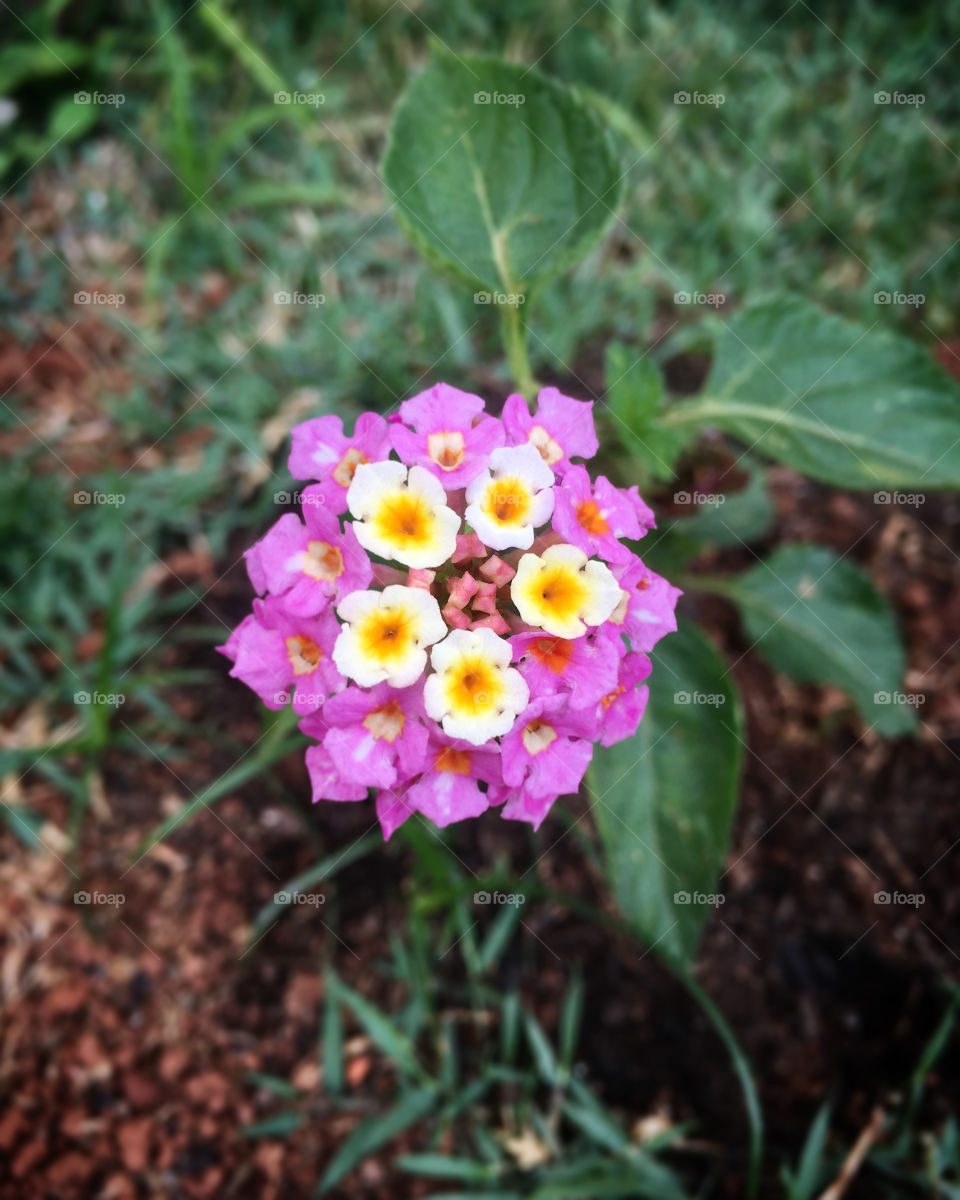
373	735
448	434
282	656
595	516
646	611
458	629
560	429
321	451
308	564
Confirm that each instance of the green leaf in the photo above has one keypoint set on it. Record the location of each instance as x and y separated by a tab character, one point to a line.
276	1126
851	406
665	798
503	194
391	1040
635	402
803	1183
819	619
371	1134
442	1166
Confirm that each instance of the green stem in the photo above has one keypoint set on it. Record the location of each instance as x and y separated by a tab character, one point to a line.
741	1067
515	343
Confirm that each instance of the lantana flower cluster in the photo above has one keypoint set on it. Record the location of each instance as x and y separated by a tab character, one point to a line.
456	618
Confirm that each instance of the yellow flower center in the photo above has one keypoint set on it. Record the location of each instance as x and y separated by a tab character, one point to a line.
455	761
323	561
304	654
537	736
346	468
446	449
561	591
404	519
386	635
591	518
507	501
473	687
386	723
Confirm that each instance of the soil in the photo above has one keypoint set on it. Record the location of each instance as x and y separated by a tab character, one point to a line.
130	1030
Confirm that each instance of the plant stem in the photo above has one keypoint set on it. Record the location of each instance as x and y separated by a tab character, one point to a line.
741	1067
515	343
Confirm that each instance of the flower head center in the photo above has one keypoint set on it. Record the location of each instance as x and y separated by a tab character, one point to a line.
405	519
457	762
386	722
322	561
386	635
446	449
550	451
507	500
474	688
346	468
553	653
537	736
591	518
303	653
